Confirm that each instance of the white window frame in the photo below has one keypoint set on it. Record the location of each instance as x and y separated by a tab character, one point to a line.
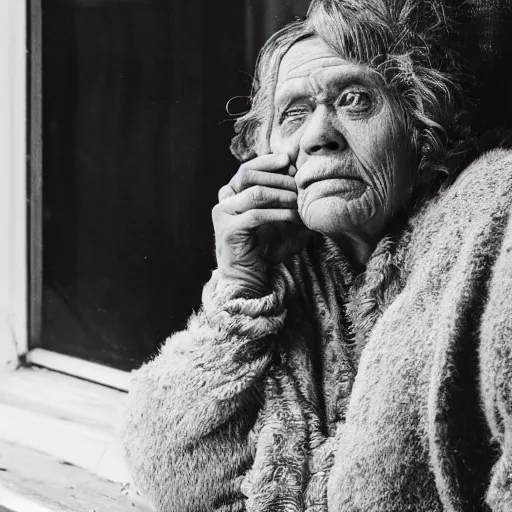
21	202
21	273
13	183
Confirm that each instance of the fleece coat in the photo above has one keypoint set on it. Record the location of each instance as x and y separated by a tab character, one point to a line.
385	392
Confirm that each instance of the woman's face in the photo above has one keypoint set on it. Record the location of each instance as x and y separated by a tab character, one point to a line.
345	131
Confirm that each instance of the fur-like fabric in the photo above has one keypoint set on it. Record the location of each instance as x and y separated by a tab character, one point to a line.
266	405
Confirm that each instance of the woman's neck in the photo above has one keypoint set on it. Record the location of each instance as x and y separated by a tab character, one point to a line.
356	249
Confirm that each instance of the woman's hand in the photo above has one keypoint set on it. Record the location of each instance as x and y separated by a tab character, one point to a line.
256	221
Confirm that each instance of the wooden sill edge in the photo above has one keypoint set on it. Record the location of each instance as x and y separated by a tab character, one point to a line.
16	503
76	367
31	481
72	420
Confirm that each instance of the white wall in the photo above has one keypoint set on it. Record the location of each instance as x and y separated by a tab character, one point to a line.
13	230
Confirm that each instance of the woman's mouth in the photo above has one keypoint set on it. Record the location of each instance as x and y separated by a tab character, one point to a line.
336	181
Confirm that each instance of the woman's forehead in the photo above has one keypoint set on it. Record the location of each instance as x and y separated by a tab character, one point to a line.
306	56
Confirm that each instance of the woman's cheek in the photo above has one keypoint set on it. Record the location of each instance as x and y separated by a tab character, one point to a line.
375	151
285	139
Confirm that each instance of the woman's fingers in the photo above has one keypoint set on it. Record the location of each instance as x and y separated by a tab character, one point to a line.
231	228
259	197
225	192
247	178
271	162
266	170
254	218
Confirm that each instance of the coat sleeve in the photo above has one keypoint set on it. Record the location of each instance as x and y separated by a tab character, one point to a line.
496	374
191	409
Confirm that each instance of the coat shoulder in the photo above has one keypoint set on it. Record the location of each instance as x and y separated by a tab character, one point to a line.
485	178
481	191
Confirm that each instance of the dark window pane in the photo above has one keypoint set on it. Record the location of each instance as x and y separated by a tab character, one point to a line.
135	145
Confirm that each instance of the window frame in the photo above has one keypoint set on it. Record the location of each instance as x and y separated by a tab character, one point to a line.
13	184
34	131
26	416
21	266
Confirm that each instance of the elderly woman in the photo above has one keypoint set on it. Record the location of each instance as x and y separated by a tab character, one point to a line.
354	347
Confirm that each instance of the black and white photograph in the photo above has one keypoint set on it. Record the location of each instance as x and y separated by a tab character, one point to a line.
256	256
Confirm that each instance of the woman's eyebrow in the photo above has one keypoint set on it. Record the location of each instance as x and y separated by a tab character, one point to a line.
290	91
299	87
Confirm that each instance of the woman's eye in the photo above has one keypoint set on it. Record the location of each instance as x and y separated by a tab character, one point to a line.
357	101
294	113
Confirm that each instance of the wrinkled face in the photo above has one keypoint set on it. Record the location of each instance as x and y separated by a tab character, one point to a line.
345	130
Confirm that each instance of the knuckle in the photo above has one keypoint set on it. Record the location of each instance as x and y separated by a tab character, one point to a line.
216	212
244	177
234	183
244	167
241	178
237	178
257	195
254	216
223	191
228	237
250	217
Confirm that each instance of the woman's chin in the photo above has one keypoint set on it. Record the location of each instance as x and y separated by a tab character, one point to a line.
333	216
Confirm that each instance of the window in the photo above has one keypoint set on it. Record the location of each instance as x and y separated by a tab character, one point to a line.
135	145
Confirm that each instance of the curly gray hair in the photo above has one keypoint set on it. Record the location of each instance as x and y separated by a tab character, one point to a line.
407	41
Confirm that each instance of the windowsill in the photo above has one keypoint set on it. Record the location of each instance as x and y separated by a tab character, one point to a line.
32	481
86	370
58	443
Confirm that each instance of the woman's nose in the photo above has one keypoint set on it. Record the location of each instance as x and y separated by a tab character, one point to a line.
321	137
